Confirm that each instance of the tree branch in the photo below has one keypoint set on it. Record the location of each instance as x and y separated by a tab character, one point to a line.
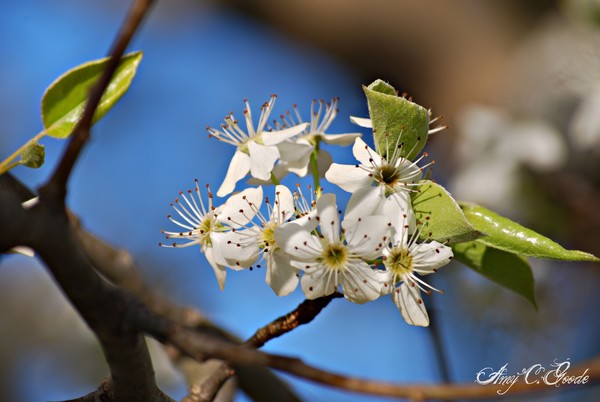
303	314
120	268
56	187
116	316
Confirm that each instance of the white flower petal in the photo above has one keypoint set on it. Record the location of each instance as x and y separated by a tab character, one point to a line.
308	221
220	270
279	171
23	250
318	281
361	121
365	154
240	248
329	220
283	205
408	300
217	240
297	241
248	201
384	277
368	236
428	257
324	161
238	168
276	137
398	208
294	151
348	177
340	139
281	276
30	202
364	202
360	283
262	159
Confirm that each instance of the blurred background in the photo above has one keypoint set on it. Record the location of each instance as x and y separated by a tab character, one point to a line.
518	83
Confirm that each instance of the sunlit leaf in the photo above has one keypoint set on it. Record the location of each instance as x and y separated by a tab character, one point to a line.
506	269
396	121
443	218
33	155
64	100
504	234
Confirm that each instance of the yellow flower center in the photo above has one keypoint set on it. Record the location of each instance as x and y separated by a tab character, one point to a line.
387	175
207	225
399	262
334	256
268	235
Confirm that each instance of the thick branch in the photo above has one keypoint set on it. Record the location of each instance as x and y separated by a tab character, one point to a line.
120	268
56	187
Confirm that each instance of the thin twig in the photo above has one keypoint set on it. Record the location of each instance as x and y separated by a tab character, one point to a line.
55	188
303	314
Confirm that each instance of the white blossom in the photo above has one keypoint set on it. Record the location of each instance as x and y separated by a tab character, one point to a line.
336	258
376	183
256	147
243	248
296	152
206	225
404	260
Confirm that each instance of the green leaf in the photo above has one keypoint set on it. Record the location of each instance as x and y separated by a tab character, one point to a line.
33	155
504	234
396	121
444	220
506	269
64	100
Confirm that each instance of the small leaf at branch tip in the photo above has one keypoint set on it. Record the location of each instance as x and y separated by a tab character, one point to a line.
64	101
396	120
33	156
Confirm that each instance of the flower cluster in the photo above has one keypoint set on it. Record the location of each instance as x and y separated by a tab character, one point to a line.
374	248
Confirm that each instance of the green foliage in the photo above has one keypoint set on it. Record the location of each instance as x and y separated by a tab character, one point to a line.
64	100
33	155
506	269
504	234
396	121
446	222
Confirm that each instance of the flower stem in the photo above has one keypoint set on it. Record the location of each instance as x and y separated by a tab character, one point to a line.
274	179
6	164
314	168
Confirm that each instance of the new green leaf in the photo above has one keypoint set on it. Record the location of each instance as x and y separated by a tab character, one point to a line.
33	155
506	269
444	220
64	100
396	121
504	234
